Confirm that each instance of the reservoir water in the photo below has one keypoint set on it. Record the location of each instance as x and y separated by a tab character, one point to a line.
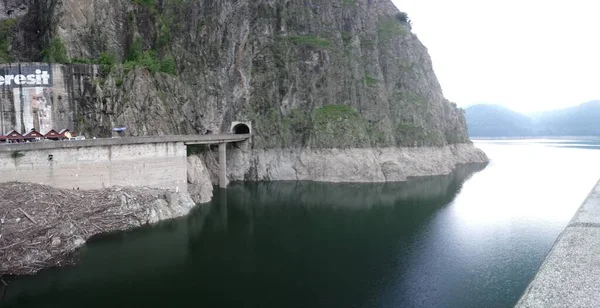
473	238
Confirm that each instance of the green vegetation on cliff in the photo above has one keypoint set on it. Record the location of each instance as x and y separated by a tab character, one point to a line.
153	57
389	28
276	130
350	3
414	135
148	59
310	40
148	3
56	52
339	126
6	29
370	80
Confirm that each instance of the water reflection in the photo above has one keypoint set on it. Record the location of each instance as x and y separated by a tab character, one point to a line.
292	244
582	142
351	196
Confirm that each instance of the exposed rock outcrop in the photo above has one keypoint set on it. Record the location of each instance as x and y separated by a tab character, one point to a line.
199	183
344	165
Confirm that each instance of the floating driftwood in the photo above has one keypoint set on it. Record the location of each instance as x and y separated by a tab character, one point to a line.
41	226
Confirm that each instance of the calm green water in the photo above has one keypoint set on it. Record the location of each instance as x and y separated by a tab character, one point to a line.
474	238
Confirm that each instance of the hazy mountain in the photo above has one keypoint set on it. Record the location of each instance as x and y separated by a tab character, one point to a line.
498	121
582	120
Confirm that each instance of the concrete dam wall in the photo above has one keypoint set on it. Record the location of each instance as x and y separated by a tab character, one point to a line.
157	165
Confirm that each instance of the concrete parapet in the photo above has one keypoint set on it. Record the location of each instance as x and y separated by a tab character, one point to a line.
187	139
570	275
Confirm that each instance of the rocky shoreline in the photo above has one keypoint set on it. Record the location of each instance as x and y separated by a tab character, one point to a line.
367	165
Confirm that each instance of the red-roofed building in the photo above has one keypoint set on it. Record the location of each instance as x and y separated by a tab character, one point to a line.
33	136
53	135
13	136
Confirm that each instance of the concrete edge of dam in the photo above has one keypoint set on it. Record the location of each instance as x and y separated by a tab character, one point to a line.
156	162
570	274
188	139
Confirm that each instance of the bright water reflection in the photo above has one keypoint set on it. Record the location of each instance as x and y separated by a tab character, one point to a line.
528	181
489	241
469	239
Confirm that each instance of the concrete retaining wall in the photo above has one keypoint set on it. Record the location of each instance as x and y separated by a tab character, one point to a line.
570	275
157	165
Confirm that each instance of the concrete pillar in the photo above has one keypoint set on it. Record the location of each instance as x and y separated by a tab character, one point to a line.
222	165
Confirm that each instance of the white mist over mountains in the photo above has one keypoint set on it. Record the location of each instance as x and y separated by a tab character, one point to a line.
499	121
529	56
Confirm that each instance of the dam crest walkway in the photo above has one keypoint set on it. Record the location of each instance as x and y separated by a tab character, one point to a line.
187	139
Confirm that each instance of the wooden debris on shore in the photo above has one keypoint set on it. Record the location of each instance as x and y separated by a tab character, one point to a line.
40	226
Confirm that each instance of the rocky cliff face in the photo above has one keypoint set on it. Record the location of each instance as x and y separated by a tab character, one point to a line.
341	73
309	74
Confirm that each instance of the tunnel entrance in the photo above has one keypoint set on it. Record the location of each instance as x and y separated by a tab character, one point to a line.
240	129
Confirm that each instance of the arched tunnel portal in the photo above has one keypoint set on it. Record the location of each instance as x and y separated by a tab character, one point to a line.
241	128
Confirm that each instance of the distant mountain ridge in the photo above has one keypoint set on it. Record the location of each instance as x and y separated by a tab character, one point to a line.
498	121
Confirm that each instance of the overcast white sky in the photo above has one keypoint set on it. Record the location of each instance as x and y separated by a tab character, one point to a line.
528	55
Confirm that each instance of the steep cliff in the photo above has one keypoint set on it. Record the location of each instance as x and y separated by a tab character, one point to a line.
308	74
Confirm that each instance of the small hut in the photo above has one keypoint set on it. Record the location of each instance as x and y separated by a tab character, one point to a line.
33	136
53	135
13	137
